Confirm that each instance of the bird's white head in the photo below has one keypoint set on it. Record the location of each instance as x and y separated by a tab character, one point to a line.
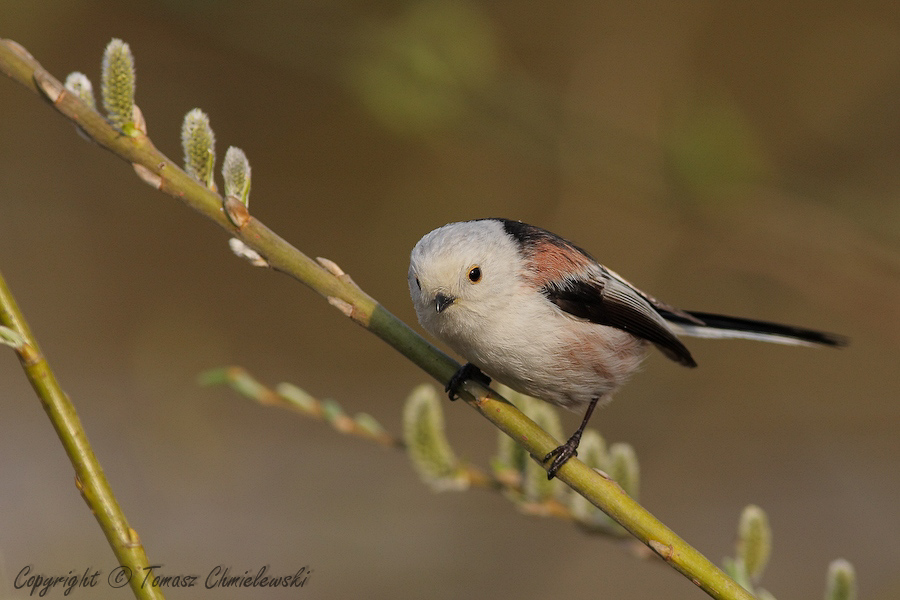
461	273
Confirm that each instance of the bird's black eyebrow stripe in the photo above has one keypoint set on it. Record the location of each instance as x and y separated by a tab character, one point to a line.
531	236
523	232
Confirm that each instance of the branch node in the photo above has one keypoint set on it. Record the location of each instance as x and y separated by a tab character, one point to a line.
236	211
138	121
29	355
665	551
333	268
49	85
603	474
342	305
79	485
134	540
148	176
19	49
244	251
12	338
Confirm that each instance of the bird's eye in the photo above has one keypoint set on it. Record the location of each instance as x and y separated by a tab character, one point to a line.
418	285
475	274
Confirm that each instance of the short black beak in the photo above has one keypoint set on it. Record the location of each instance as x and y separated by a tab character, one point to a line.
442	301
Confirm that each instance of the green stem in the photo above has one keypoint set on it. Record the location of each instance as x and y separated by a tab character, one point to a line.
159	171
89	477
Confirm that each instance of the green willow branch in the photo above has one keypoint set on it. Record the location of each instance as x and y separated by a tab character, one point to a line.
89	477
162	173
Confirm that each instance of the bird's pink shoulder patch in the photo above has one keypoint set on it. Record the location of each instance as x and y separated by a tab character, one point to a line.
555	260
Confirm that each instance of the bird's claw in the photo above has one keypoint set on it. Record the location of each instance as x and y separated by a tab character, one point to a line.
560	455
467	371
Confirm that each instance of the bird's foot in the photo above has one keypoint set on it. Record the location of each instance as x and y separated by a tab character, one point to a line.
467	371
561	454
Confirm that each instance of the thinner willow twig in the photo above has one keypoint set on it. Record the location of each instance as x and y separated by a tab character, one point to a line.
290	398
89	477
162	173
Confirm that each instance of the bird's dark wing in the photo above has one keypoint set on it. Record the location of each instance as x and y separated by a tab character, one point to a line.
608	300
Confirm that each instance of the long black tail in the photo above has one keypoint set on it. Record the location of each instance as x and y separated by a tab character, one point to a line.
722	326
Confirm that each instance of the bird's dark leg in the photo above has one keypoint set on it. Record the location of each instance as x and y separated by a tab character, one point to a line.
563	453
467	371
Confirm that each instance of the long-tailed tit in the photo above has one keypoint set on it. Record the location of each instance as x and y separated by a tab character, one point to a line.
539	314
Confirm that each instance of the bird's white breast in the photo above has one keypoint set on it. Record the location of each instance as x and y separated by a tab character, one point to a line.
527	343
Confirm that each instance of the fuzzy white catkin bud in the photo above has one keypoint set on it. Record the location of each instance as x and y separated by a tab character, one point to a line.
426	444
118	84
81	86
841	581
754	541
236	174
199	145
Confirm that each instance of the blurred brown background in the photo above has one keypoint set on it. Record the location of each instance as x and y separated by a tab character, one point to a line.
725	158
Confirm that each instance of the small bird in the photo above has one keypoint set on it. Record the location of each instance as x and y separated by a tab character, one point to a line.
539	314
